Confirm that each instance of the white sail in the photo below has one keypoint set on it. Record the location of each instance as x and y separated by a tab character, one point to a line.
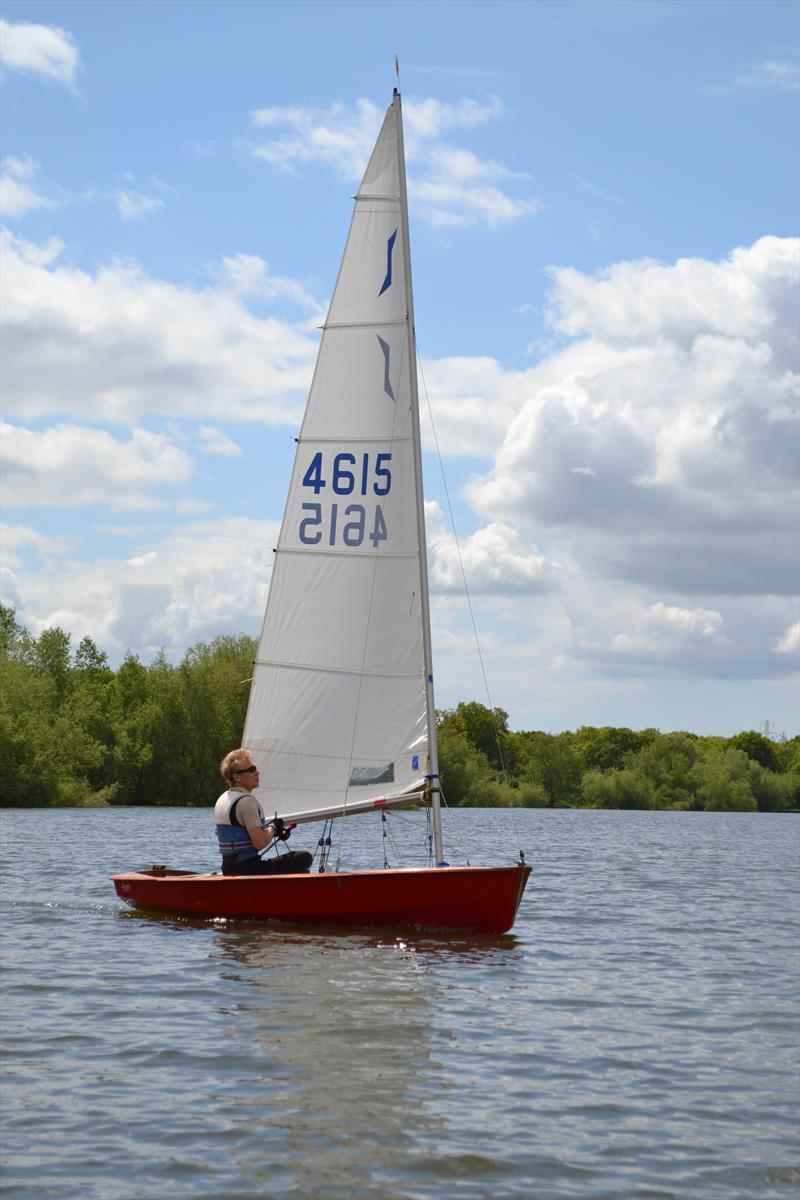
338	712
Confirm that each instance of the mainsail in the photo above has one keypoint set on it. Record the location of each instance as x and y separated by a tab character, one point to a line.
340	704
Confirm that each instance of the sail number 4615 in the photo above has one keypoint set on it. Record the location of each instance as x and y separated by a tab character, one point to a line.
349	474
346	524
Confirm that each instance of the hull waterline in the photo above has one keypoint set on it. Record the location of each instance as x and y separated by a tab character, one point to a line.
476	898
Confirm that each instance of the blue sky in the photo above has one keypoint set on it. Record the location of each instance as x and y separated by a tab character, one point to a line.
604	218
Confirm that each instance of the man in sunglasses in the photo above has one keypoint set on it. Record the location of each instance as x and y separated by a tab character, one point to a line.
243	832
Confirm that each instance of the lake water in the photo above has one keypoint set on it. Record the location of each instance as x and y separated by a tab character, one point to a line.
636	1035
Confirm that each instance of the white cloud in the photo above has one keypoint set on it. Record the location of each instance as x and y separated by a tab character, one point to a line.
494	560
626	632
172	592
214	441
662	625
632	303
641	472
461	190
118	344
338	136
789	643
136	206
451	187
43	50
18	194
17	539
248	275
768	75
428	120
474	400
661	446
70	466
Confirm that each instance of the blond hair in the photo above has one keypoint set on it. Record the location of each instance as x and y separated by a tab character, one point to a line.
231	761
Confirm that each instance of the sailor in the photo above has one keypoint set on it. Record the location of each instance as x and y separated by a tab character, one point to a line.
243	832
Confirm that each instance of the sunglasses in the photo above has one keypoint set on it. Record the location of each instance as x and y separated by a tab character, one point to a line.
244	770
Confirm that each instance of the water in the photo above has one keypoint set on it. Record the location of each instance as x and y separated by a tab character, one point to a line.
635	1035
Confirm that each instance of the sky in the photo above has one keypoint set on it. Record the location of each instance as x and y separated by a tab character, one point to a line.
604	231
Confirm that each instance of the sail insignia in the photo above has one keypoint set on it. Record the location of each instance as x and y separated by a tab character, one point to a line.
387	383
387	283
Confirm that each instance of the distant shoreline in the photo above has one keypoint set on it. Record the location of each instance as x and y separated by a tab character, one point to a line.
75	733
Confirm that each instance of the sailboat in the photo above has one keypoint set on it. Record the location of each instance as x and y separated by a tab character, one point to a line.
341	717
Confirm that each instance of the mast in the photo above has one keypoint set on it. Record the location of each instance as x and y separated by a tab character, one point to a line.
433	766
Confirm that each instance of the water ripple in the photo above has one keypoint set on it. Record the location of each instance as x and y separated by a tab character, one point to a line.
635	1036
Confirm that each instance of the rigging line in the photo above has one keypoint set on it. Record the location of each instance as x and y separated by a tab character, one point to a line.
458	827
389	834
466	585
397	819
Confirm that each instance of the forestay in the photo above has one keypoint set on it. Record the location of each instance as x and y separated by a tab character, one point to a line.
337	719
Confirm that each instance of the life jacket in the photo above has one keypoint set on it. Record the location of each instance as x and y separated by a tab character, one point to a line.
232	835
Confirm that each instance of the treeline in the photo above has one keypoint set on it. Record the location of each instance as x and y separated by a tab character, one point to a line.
73	731
483	763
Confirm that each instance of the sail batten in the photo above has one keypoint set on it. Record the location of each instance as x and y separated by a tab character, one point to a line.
340	700
363	554
361	324
295	666
334	441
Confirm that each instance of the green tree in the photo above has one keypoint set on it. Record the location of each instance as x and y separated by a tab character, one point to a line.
722	782
667	762
49	754
215	679
608	748
52	655
464	771
773	792
89	658
27	702
15	642
757	747
551	762
484	728
132	721
628	788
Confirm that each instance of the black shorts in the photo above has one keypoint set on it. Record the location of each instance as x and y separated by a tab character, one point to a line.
293	862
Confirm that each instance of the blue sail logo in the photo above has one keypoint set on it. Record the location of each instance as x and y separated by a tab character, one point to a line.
387	283
387	383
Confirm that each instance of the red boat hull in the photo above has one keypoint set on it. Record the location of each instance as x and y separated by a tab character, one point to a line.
479	898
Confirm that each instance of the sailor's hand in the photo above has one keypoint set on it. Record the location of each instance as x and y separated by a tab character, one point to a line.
283	831
277	827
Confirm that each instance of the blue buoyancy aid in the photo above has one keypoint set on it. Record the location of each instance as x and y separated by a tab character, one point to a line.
232	836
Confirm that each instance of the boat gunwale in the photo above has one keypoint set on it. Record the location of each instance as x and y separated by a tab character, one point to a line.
174	875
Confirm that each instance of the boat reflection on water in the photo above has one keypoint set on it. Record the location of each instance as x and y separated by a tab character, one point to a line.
338	1041
343	1027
